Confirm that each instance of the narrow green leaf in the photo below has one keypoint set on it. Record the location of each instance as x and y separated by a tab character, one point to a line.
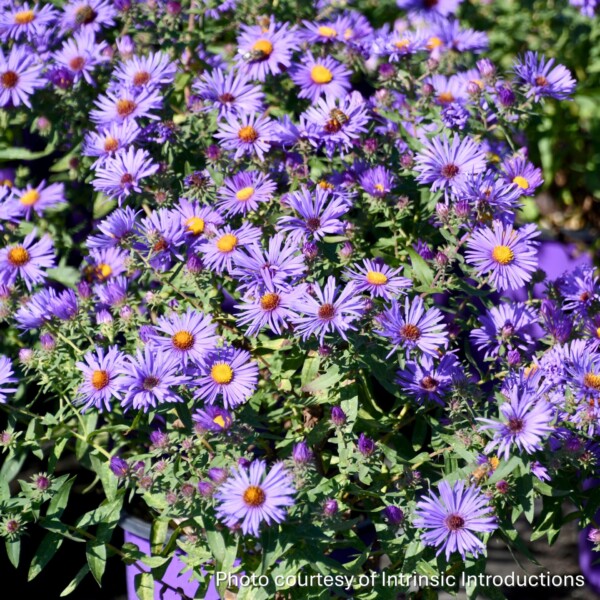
75	581
144	586
13	549
46	550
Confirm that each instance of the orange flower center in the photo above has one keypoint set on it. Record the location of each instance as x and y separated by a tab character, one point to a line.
264	47
103	271
111	144
141	78
270	301
227	242
410	332
18	256
77	63
24	16
125	107
445	97
254	496
592	380
326	311
100	379
183	340
248	134
9	79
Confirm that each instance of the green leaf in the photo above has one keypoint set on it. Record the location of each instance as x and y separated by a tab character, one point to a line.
75	581
144	586
46	550
61	497
13	549
421	270
158	534
323	382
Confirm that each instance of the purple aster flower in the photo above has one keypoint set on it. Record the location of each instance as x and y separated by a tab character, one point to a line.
251	496
162	237
365	445
104	263
523	174
27	261
218	252
25	20
110	140
19	76
148	378
197	220
526	422
65	305
154	70
377	182
508	326
262	52
580	289
338	416
507	255
230	373
38	199
301	453
36	311
455	116
243	192
122	173
337	122
429	382
399	44
447	34
246	134
377	279
212	418
540	471
280	263
126	104
321	76
6	377
113	292
229	93
430	8
451	519
119	466
81	54
319	213
101	378
414	327
444	164
88	14
190	336
115	229
393	514
273	308
589	9
541	80
447	91
328	310
584	371
325	32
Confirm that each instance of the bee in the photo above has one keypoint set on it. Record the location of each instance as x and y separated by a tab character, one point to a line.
254	55
337	119
480	472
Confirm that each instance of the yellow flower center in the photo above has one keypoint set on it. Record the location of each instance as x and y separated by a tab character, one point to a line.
445	97
521	182
254	496
245	194
227	242
248	134
348	33
219	420
503	255
269	301
327	31
320	74
29	198
494	462
530	370
598	332
18	256
221	373
24	16
183	340
401	44
104	271
434	42
263	46
100	379
111	144
592	380
376	278
125	107
195	225
379	187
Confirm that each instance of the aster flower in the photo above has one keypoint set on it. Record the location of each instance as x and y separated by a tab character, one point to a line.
329	310
542	80
197	220
507	255
161	238
399	44
229	93
428	381
112	292
148	378
251	496
319	213
325	32
126	104
154	70
580	289
378	279
104	263
429	8
523	174
273	308
262	52
6	378
38	198
213	418
36	310
122	173
65	305
27	260
447	34
25	20
115	229
443	164
452	519
19	76
321	76
189	336
230	373
243	192
377	182
101	372
337	122
281	264
81	54
584	372
413	327
108	141
246	134
505	326
88	14
219	251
